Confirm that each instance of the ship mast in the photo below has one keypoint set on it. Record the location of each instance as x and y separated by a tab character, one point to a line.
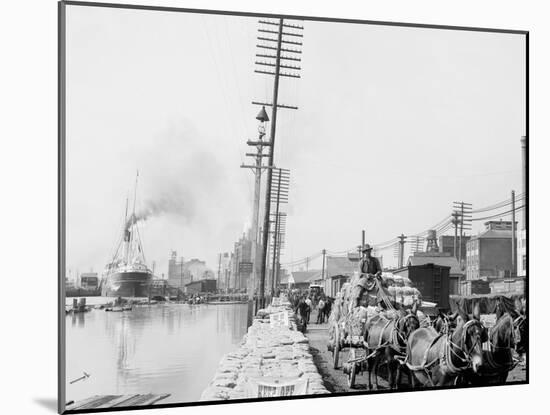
133	218
135	193
125	234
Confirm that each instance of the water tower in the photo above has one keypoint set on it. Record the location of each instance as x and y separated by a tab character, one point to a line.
432	241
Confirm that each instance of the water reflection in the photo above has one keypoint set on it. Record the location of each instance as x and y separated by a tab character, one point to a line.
78	319
159	349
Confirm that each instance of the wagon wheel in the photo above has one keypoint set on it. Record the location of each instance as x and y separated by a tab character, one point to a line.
336	349
353	370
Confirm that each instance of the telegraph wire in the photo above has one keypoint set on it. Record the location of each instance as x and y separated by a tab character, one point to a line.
499	215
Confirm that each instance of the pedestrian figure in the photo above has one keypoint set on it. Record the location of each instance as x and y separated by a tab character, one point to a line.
309	304
302	312
321	311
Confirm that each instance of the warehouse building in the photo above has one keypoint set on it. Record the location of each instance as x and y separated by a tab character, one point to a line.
489	254
201	286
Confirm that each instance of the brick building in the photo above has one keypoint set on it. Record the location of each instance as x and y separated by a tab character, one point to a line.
447	245
489	254
241	264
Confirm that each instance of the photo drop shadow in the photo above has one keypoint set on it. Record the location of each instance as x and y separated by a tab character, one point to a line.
48	403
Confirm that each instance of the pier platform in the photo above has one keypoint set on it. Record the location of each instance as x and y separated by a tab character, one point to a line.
113	401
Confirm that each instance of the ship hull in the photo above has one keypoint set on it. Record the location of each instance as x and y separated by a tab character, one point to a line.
127	284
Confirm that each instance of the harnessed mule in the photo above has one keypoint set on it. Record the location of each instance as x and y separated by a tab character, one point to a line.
386	341
438	359
498	360
445	323
520	335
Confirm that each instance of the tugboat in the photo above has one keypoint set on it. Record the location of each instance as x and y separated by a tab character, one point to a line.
127	275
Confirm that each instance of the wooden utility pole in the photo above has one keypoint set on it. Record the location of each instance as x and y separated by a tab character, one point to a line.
282	37
280	236
279	195
323	267
402	238
275	235
514	242
524	181
279	226
271	159
464	212
257	169
455	223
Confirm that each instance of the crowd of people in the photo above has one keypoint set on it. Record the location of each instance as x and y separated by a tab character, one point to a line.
305	301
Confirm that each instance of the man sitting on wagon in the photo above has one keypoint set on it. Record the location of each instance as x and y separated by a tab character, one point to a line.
369	290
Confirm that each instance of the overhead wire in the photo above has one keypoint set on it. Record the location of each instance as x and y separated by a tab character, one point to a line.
503	203
499	215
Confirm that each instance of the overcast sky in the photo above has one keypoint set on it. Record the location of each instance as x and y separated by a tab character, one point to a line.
394	124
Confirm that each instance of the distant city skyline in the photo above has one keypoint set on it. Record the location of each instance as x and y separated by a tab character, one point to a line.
390	131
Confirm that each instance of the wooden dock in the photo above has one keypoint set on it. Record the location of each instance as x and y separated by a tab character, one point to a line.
113	401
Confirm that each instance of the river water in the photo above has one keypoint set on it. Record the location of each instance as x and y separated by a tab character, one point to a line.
173	348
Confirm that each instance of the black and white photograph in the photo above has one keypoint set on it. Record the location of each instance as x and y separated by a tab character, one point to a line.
270	207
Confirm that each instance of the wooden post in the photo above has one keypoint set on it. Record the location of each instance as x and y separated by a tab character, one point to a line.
323	269
401	258
275	234
270	163
514	254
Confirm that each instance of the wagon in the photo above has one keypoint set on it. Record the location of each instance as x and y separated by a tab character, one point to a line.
348	332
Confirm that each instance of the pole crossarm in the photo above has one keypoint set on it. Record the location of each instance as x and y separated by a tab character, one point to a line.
268	39
273	32
282	49
278	24
288	58
280	66
289	75
267	104
250	166
258	143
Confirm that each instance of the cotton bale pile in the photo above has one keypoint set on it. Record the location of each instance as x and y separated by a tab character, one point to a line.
401	289
266	351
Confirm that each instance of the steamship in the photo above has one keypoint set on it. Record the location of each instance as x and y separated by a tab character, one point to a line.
127	275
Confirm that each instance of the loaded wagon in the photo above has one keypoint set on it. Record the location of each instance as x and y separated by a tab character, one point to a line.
347	331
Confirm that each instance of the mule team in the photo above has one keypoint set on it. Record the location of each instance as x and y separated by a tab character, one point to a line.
455	349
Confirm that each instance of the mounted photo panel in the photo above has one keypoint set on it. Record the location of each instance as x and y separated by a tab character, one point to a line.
269	207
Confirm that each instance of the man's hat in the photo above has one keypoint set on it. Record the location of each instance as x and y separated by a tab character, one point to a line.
367	247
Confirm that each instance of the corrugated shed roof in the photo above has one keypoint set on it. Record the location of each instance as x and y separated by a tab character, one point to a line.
447	261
